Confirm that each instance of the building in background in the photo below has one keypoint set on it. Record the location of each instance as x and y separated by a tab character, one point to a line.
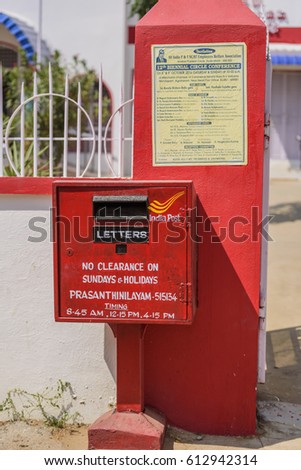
284	23
16	34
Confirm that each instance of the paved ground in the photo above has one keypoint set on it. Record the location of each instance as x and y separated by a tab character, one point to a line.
279	400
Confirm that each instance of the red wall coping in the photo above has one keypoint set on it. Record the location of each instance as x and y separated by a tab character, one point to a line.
287	35
31	185
26	185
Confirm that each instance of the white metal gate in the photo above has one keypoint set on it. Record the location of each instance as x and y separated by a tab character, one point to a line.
100	161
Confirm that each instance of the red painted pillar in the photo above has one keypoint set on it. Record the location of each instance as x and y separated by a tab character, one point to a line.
204	377
130	425
130	363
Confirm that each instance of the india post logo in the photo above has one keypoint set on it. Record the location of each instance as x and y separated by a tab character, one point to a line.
161	207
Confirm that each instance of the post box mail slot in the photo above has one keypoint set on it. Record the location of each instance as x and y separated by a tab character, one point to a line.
120	207
123	252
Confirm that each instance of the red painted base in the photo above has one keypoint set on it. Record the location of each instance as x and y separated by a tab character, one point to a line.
128	430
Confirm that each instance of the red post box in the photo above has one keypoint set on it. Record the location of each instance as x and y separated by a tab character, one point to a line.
116	248
117	245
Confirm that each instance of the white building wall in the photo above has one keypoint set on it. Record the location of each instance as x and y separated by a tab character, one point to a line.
35	351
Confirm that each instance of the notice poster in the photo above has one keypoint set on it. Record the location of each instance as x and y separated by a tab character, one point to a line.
199	104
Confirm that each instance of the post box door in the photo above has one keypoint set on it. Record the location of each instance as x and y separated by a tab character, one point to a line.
123	253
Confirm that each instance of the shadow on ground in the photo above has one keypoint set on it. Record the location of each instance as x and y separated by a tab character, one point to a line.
279	399
283	376
286	212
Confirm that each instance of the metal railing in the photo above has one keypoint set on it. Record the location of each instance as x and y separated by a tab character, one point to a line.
100	161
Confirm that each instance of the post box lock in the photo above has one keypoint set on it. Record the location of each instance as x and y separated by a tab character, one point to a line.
133	258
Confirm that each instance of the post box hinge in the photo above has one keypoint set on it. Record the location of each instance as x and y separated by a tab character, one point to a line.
267	124
185	292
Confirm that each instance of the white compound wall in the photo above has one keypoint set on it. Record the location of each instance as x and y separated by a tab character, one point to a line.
36	352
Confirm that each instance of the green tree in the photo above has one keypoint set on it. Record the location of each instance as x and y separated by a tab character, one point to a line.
141	7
